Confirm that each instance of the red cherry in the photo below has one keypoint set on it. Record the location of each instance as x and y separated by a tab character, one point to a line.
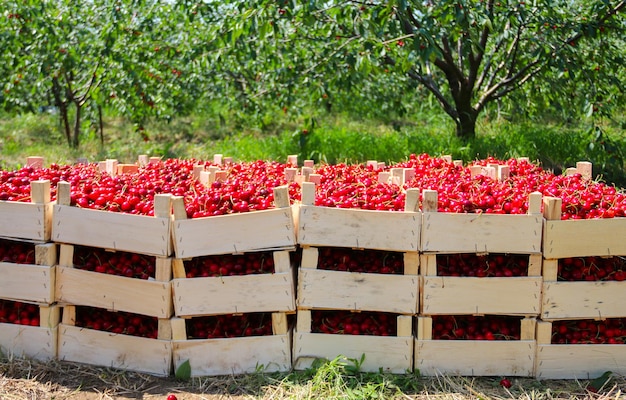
506	383
172	397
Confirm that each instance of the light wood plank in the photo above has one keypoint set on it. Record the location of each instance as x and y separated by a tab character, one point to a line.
103	229
580	361
234	294
380	230
358	291
234	355
476	233
46	254
28	341
475	357
279	323
107	349
28	221
582	238
304	321
26	282
469	295
49	316
40	192
111	292
272	229
580	300
389	353
424	328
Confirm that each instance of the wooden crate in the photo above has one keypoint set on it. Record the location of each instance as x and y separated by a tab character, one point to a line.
354	228
118	293
112	230
475	357
232	356
580	238
37	342
29	221
264	230
106	349
235	294
480	233
392	354
576	361
338	290
580	300
486	295
31	282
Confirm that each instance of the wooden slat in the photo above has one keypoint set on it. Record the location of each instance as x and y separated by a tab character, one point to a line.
28	341
28	221
581	300
107	349
234	294
389	353
477	233
380	230
304	321
103	229
234	355
424	328
582	238
49	316
111	292
579	361
475	357
358	291
280	324
468	295
46	254
40	192
272	229
26	282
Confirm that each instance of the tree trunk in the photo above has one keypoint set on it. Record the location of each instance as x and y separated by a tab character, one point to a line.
76	126
466	124
100	124
63	111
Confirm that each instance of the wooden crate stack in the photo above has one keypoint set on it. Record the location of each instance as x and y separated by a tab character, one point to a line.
269	231
358	292
450	233
30	223
31	284
579	300
145	235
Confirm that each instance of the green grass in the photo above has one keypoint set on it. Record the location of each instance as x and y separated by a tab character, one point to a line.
328	138
327	379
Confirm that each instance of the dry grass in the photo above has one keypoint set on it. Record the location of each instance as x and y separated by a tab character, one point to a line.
25	379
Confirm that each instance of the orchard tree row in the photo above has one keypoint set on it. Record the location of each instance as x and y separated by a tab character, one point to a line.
165	59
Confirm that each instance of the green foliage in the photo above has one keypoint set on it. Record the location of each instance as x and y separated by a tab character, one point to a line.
467	55
183	372
249	60
342	378
338	138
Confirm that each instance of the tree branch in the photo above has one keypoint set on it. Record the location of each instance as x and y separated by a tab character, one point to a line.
430	85
476	59
515	80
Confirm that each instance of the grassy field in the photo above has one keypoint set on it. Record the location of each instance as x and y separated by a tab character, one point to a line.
334	138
